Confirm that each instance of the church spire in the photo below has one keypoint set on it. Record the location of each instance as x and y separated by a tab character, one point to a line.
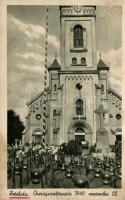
101	65
55	65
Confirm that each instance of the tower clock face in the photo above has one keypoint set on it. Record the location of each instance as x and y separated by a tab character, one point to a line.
78	8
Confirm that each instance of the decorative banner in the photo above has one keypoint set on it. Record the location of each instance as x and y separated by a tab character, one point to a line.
45	78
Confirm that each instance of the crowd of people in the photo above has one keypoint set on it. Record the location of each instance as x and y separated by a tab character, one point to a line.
46	166
19	152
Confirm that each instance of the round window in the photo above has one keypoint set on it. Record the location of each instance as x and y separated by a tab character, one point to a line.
79	86
118	116
38	116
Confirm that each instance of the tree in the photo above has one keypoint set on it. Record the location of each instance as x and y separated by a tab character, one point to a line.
73	147
15	127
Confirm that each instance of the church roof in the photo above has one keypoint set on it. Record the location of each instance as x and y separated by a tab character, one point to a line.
115	93
101	65
55	65
37	96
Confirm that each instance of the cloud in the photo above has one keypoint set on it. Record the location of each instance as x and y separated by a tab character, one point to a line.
23	87
31	55
33	45
30	30
26	68
113	58
26	50
23	49
33	31
53	40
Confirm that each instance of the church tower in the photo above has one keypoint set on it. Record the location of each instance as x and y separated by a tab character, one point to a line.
78	44
77	77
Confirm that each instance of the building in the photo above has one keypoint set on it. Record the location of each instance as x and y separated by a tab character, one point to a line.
79	102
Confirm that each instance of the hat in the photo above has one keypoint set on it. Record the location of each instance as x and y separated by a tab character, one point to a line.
35	176
68	175
80	181
90	167
36	181
17	169
69	170
97	172
107	178
25	166
107	166
112	170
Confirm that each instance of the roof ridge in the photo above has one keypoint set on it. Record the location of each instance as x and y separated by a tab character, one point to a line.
115	93
36	97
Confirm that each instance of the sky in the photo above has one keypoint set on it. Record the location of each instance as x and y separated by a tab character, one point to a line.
26	48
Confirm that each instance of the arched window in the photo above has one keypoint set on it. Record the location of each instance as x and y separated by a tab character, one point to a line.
83	61
79	107
102	88
78	36
74	61
55	87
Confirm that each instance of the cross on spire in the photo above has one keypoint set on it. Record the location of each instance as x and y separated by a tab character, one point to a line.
100	111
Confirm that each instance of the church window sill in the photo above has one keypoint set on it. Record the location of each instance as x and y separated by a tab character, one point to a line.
79	117
79	64
78	50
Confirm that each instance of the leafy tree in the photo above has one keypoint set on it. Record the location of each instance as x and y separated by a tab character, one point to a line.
73	147
15	127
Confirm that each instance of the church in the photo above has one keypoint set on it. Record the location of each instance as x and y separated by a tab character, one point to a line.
78	103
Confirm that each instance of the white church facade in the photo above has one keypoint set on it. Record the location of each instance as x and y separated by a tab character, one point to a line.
79	101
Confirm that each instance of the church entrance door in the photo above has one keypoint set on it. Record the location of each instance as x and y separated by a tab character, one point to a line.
81	131
37	137
80	135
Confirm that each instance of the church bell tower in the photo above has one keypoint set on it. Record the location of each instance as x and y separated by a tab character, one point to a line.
78	74
78	45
